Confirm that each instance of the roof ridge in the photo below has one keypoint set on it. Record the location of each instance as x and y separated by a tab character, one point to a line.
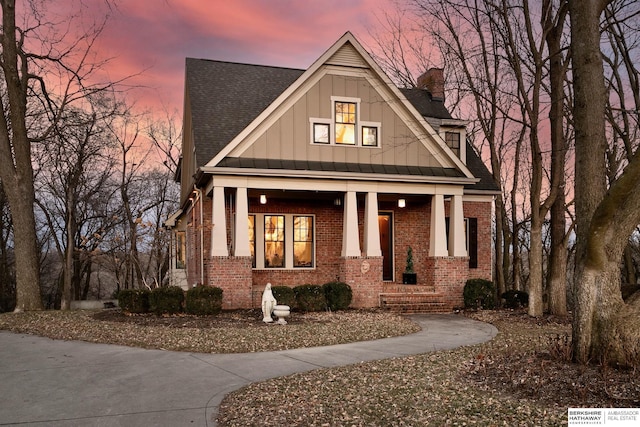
243	63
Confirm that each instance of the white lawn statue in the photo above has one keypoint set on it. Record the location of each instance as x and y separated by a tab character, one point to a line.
268	304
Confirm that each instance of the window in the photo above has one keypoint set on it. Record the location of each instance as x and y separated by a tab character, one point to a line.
252	239
321	133
274	241
472	241
369	136
345	126
471	233
302	241
181	250
453	141
283	241
345	114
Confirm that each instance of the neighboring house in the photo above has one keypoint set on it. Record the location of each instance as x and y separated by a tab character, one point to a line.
307	176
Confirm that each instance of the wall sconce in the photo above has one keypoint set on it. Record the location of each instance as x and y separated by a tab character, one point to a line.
263	199
337	201
402	203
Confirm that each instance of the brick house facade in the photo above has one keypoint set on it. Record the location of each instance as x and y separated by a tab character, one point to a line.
307	176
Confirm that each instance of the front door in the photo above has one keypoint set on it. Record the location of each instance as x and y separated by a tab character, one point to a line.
386	244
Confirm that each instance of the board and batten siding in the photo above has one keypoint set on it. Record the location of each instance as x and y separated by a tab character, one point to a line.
289	137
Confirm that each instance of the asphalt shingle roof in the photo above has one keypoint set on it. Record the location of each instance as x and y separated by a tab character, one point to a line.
225	97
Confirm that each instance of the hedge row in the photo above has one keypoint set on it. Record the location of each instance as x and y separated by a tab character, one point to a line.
201	300
330	296
481	294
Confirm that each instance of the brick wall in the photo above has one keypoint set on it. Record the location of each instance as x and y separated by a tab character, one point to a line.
449	275
233	276
364	275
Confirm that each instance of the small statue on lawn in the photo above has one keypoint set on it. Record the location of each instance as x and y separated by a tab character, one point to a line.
268	304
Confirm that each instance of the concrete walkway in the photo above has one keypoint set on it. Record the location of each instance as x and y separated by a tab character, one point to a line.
46	382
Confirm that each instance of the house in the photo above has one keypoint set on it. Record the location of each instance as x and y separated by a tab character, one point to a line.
307	176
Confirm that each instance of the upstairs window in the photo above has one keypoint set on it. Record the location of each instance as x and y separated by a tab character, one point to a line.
345	123
345	126
453	141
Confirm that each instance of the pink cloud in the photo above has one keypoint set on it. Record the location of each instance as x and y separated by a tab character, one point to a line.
153	37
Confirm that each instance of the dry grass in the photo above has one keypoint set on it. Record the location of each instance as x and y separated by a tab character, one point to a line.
514	380
520	378
239	331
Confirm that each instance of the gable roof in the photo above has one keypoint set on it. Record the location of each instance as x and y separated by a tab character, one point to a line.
225	98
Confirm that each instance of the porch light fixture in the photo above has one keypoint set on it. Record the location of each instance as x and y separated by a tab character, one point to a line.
402	203
337	201
263	199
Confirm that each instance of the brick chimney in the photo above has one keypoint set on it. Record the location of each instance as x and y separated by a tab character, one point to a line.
433	81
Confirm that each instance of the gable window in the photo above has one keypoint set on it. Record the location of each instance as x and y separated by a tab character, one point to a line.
283	241
453	141
369	136
345	114
321	133
345	126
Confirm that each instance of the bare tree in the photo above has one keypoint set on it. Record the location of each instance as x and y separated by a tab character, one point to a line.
32	57
604	327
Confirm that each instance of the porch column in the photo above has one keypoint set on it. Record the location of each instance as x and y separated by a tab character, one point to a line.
438	243
457	238
371	228
241	237
218	224
350	235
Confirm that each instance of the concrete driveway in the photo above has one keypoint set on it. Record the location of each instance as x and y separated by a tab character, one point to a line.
46	382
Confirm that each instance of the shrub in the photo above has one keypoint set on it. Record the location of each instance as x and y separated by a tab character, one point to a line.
479	293
166	300
310	298
134	300
204	300
515	299
338	295
284	295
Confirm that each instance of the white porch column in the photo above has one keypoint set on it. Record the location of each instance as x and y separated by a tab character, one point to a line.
218	224
457	238
371	228
438	244
350	234
241	237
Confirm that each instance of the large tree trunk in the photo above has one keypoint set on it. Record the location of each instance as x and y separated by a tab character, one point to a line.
590	172
16	171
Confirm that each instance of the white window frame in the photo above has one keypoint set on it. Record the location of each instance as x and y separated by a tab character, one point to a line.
332	126
288	241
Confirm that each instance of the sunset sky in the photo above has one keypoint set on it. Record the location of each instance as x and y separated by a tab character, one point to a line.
155	36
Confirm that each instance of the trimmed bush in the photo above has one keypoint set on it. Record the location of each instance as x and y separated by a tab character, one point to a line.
479	293
134	300
204	300
284	295
310	298
338	295
166	300
515	299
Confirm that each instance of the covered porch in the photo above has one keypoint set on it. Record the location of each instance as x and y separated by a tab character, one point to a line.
361	232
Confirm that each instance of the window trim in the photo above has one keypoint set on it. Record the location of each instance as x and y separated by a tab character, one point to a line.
359	125
258	258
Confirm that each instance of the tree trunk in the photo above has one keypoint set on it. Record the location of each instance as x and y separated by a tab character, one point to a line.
590	172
